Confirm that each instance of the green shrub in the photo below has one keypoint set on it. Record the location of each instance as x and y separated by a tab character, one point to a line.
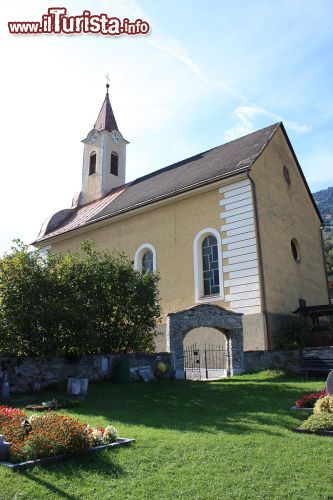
294	332
324	405
93	302
319	422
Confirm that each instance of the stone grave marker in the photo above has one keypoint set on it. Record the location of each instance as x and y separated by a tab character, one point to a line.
329	383
4	448
77	387
146	373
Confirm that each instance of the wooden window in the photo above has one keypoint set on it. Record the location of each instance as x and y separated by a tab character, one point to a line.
92	163
210	266
114	163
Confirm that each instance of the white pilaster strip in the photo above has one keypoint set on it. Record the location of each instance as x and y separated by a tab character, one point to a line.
240	247
243	243
236	199
244	280
245	250
244	223
240	231
235	211
252	271
234	185
243	258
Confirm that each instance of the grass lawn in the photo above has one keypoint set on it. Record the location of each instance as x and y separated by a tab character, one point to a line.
218	440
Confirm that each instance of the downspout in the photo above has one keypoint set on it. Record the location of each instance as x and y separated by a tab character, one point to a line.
261	266
324	258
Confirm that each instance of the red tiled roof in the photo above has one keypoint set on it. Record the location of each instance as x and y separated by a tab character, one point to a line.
84	213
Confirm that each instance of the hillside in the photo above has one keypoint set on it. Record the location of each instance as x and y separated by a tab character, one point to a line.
324	200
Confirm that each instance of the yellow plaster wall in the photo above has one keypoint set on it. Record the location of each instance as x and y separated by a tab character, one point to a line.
286	212
171	229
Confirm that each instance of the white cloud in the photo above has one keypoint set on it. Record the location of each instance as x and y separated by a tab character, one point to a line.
174	48
243	126
168	45
245	115
232	91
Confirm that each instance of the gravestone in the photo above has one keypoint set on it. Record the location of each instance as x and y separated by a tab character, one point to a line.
105	364
77	386
329	383
5	388
4	449
146	373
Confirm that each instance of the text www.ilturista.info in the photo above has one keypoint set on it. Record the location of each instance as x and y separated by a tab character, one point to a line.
57	22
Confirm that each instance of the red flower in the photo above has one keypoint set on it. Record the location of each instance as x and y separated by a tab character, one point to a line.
309	400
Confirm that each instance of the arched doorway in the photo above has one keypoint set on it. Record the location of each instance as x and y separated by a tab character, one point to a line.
206	354
226	322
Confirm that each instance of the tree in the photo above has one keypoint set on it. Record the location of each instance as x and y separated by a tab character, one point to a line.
329	262
75	304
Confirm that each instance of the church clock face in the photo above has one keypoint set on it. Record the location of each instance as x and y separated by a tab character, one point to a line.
115	138
93	138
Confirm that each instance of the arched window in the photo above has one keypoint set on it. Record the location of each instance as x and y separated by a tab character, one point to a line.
92	163
210	266
147	261
145	258
114	163
208	275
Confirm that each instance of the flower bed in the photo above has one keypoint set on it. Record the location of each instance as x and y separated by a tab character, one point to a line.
321	422
7	413
60	458
309	400
50	435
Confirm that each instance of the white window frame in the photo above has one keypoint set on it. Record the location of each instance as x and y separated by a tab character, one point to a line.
140	253
44	251
198	269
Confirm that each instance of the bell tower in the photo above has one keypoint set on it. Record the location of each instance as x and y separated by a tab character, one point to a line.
104	156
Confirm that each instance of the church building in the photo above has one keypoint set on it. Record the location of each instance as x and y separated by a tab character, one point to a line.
235	226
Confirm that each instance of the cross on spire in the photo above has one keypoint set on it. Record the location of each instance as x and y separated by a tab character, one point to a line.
106	119
107	82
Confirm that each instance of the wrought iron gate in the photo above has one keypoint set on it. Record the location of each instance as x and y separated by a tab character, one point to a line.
209	362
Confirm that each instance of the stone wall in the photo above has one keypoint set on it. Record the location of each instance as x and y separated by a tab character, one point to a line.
255	361
32	374
210	316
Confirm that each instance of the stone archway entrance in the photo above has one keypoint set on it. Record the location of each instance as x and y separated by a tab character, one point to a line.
206	354
206	315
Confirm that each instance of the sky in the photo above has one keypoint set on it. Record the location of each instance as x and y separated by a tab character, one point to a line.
207	73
